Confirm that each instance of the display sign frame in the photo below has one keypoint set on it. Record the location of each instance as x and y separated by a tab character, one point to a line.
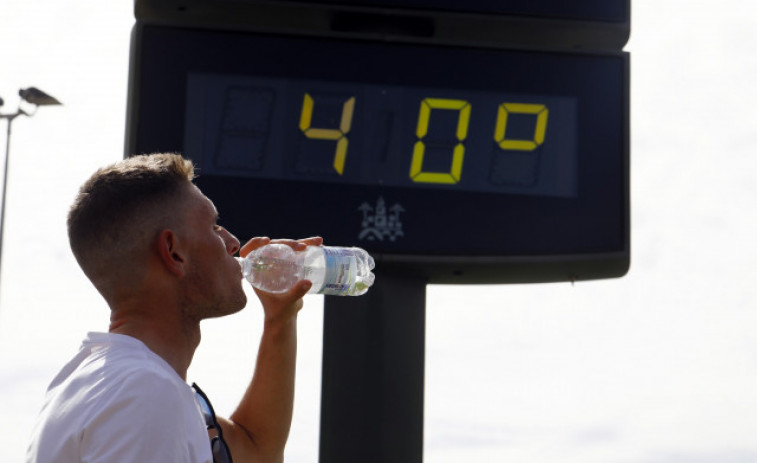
161	119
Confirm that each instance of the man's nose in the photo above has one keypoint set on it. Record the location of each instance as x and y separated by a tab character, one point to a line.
232	243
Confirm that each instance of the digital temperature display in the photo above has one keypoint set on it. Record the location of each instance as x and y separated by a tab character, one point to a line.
392	136
456	163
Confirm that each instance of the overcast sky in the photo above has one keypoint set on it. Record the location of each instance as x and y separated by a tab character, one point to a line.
657	367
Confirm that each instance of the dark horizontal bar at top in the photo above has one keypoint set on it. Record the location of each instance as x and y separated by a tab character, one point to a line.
517	26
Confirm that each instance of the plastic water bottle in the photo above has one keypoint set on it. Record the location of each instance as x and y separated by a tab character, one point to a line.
275	268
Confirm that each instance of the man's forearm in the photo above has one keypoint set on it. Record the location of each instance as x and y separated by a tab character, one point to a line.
265	412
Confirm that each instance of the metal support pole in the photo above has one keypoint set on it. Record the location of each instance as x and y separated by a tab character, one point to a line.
33	96
373	370
10	118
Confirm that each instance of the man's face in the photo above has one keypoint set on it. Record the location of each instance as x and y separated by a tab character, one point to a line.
214	278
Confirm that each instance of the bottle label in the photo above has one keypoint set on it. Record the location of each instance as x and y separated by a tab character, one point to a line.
341	271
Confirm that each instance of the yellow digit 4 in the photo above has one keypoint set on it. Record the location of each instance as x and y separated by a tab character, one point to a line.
500	129
340	134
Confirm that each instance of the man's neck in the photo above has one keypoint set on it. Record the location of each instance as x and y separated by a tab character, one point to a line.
174	342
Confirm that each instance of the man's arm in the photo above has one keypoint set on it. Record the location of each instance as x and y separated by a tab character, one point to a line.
259	428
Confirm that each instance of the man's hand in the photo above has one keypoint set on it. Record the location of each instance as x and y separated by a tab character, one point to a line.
279	307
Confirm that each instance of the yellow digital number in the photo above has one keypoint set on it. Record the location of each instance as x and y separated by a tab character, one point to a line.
339	135
500	128
458	152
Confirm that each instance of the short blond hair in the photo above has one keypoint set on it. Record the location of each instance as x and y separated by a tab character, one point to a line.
121	204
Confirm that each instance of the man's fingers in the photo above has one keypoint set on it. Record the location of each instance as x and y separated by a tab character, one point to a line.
297	245
312	241
253	244
298	292
285	304
302	288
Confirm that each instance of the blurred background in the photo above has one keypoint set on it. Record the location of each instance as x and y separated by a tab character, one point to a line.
659	366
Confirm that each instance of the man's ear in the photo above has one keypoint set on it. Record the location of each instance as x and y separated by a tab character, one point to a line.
170	252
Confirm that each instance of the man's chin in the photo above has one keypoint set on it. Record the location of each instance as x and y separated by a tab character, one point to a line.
238	304
229	308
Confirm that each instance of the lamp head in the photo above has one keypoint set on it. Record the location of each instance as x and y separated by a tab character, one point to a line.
37	97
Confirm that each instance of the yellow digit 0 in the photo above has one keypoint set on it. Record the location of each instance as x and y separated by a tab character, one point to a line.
340	134
500	128
458	152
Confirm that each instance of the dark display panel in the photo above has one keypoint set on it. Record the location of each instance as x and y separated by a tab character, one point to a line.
447	161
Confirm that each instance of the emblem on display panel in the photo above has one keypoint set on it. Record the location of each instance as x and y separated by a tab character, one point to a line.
379	222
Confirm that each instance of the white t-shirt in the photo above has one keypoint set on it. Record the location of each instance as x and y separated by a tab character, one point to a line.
117	401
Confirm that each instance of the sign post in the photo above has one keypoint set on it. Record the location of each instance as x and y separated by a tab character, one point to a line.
373	370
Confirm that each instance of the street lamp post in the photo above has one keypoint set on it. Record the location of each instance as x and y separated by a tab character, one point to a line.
37	98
